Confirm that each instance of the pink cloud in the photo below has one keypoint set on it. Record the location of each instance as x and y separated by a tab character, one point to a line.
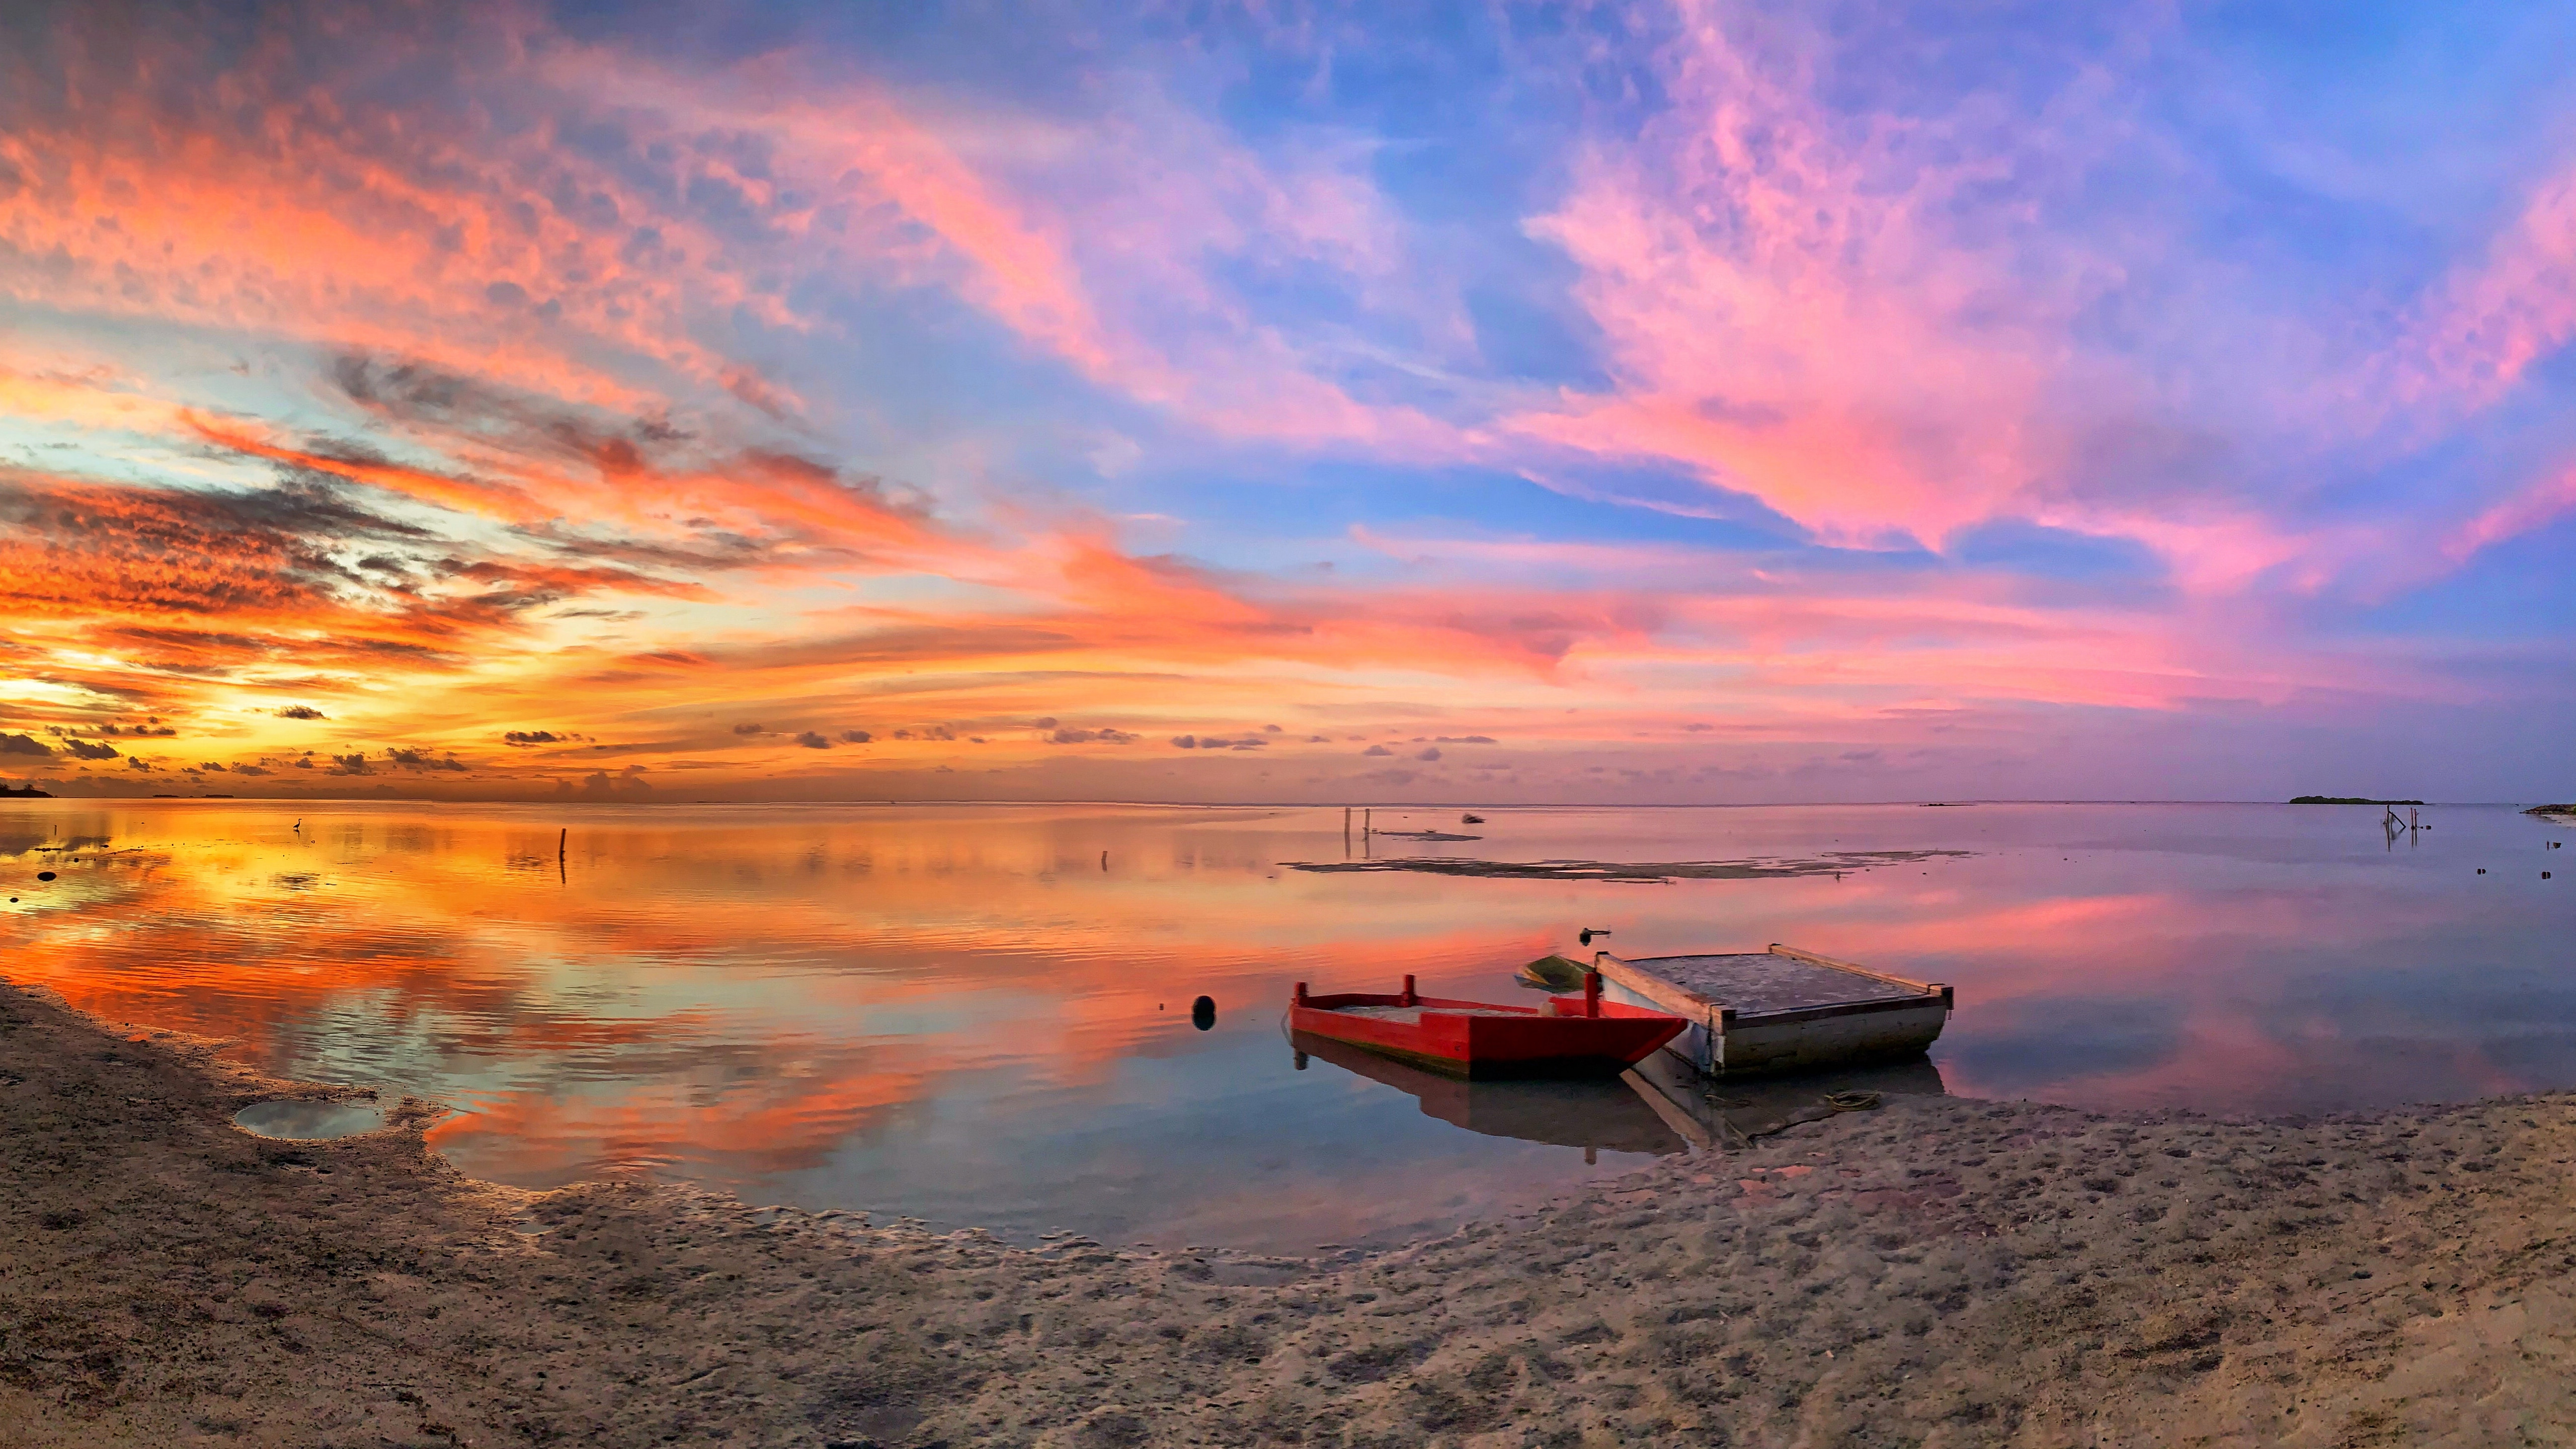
2484	327
2535	507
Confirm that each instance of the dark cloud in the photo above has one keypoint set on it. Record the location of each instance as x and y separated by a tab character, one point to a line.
1085	737
89	750
24	745
1466	739
423	760
351	765
750	729
301	711
1429	753
106	548
1377	750
527	738
813	741
602	785
855	737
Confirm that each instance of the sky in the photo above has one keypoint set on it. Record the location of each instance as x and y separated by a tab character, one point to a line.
1698	403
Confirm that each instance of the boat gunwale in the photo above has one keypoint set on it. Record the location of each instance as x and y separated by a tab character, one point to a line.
1342	1001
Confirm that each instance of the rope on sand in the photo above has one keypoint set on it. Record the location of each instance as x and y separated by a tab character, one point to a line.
1852	1101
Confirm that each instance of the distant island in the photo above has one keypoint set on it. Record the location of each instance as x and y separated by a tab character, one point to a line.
2569	809
2347	800
24	792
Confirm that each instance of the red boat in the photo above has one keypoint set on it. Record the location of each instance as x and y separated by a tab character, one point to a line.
1569	1036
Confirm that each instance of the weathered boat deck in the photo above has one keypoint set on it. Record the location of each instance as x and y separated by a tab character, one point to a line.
1755	982
1783	1009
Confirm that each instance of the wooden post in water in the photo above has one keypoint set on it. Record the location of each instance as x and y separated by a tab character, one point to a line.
560	837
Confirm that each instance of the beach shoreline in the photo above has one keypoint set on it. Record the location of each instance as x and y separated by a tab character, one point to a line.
1941	1271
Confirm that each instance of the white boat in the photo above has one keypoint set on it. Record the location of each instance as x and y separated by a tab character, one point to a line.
1780	1009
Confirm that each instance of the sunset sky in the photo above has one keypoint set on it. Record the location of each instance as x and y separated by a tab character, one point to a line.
1285	402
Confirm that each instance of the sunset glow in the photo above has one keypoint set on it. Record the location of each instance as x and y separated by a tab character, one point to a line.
1646	404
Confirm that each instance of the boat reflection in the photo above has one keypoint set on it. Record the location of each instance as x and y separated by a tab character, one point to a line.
1595	1113
1729	1113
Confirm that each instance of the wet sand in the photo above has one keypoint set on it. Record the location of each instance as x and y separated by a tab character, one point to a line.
1937	1272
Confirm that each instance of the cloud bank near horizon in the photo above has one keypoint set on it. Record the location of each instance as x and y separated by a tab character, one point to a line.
1707	402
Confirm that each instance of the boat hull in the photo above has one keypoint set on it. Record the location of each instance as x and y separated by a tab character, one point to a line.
1760	1028
1479	1039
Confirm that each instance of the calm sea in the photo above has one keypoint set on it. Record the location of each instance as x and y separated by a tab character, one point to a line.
981	1015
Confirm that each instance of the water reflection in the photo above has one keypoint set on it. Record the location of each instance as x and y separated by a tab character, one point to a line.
1591	1113
986	1015
1727	1115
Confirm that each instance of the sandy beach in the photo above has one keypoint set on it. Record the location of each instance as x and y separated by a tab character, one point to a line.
1937	1272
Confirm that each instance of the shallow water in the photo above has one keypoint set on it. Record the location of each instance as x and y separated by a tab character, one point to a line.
963	1014
308	1121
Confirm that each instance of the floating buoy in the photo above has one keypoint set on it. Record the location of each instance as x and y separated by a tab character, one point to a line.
2482	870
1203	1012
44	875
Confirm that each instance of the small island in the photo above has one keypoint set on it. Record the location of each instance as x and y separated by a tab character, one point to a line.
2346	800
2569	809
24	792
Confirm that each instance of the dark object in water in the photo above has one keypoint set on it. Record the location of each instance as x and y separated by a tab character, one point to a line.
1555	973
2482	870
1471	819
1426	835
1569	1036
1647	872
1203	1012
44	875
1587	933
